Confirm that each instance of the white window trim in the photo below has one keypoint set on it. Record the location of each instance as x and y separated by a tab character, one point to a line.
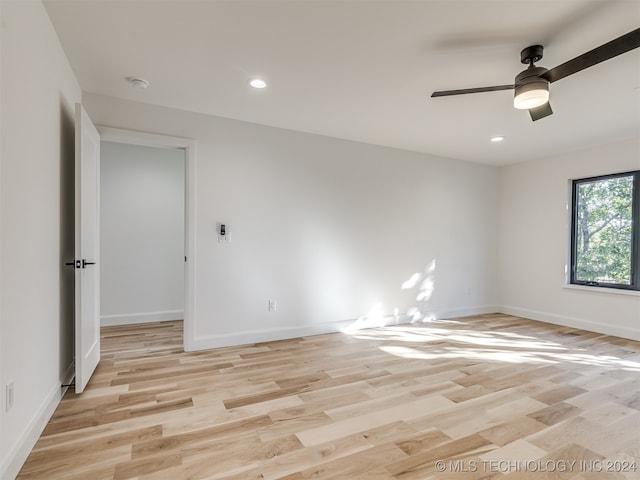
594	289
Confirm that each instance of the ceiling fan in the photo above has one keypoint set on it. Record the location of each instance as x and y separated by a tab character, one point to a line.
531	86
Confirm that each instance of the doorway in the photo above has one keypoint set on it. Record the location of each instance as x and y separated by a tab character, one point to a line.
148	254
141	233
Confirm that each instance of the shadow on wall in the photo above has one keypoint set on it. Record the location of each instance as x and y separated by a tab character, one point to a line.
424	284
67	236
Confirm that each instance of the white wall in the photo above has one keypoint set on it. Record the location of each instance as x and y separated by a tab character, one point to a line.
328	228
36	325
142	233
534	236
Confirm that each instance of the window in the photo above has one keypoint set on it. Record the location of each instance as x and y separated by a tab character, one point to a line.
605	231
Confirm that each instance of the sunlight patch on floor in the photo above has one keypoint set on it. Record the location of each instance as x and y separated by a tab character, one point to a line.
442	340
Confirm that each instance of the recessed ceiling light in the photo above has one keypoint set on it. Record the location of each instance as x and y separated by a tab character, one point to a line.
138	82
497	138
257	83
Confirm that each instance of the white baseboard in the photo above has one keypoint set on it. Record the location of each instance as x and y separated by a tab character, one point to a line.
566	321
267	335
18	454
271	334
467	311
144	317
282	333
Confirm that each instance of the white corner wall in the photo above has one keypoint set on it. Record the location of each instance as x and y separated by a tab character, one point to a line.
142	233
534	243
38	92
330	229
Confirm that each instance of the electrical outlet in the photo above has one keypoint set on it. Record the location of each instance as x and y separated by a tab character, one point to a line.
272	306
9	395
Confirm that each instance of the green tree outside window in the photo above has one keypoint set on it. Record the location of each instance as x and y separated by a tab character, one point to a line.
603	240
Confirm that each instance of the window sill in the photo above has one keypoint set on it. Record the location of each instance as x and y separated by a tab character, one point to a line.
615	291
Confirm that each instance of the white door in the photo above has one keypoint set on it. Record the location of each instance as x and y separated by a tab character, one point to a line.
87	237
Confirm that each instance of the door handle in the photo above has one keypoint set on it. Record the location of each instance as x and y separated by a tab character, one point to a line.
74	264
85	263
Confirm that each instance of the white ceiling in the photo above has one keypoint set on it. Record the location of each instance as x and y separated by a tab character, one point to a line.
364	70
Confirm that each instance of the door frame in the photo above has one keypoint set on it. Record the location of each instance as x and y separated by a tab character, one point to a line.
134	137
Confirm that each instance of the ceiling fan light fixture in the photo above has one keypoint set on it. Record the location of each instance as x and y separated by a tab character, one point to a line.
531	89
531	97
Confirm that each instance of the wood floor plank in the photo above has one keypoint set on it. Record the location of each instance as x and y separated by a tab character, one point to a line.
423	462
356	464
406	411
512	430
379	404
135	468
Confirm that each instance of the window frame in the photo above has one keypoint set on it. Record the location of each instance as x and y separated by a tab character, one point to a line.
634	284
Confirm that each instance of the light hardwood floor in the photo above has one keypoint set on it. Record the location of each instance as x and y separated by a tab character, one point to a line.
491	396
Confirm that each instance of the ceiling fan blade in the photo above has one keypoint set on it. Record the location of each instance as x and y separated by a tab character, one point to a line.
599	54
540	112
446	93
